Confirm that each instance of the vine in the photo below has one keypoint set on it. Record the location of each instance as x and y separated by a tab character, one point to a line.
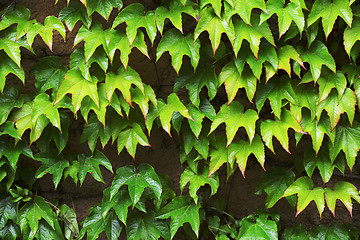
284	65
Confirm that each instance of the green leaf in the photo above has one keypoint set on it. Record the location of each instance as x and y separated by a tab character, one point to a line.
266	53
90	164
244	7
23	119
95	223
122	81
119	41
234	117
166	111
79	87
8	211
317	130
343	191
235	76
36	115
120	203
286	13
142	98
274	182
275	90
348	140
19	15
178	46
318	55
8	128
49	72
72	229
261	227
145	226
8	66
279	129
137	180
181	209
307	96
198	180
93	37
103	7
335	107
303	187
205	110
9	100
73	13
322	161
241	150
194	82
215	26
286	53
216	5
93	130
44	143
72	171
78	61
135	17
351	35
10	231
51	23
219	156
252	33
130	138
200	143
294	232
42	105
336	231
12	49
328	81
46	232
88	105
52	164
174	14
31	213
12	151
329	11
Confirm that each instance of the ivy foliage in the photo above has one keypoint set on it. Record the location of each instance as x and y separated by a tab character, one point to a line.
291	79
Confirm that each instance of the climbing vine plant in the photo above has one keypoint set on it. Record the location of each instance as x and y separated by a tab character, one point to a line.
291	77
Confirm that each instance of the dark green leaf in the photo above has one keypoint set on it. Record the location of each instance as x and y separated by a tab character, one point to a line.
275	90
198	180
146	227
194	82
31	213
52	164
274	182
181	210
90	164
348	140
49	73
136	180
